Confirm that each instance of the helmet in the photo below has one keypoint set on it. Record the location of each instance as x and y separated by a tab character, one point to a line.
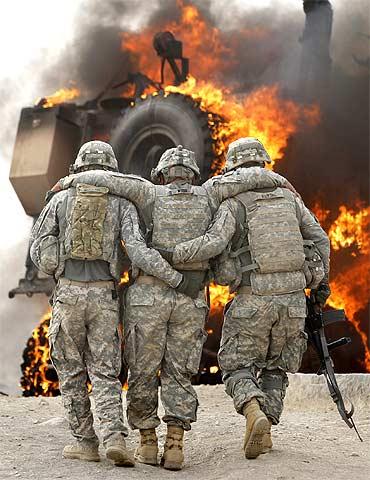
245	150
97	153
182	159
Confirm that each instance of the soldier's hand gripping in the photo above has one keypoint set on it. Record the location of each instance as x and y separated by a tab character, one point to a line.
320	294
188	285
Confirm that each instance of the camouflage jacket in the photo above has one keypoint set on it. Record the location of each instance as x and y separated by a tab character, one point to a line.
47	245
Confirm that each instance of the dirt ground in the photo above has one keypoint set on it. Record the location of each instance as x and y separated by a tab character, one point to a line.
311	442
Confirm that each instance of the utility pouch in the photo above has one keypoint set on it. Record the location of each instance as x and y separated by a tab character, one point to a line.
87	223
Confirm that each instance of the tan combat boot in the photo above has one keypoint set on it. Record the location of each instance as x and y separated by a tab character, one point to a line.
267	440
173	456
257	426
116	451
82	451
147	452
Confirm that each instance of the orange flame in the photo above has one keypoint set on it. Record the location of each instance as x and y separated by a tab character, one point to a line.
35	373
60	96
199	38
263	114
351	228
351	291
219	296
350	288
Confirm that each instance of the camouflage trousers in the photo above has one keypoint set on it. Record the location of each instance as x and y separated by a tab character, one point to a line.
164	336
263	338
85	340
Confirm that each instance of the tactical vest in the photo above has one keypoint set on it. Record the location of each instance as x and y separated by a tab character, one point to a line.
180	213
268	243
90	229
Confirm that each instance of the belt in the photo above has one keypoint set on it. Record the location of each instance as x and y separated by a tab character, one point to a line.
99	284
149	280
245	289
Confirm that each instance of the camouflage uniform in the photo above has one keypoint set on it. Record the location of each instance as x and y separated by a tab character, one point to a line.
263	334
84	332
164	328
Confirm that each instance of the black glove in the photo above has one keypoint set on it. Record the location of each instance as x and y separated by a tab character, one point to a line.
189	284
167	254
320	294
49	195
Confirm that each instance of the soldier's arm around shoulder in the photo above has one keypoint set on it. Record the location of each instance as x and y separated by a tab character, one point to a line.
243	179
213	242
141	256
132	187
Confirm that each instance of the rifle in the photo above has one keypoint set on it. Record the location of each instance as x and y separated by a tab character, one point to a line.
316	320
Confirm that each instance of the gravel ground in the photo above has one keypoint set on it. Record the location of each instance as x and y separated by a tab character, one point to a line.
310	442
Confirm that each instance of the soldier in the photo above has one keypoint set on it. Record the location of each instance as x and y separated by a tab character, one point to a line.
264	233
164	327
77	238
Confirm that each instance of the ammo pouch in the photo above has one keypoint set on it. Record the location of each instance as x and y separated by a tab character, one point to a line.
196	277
313	265
87	222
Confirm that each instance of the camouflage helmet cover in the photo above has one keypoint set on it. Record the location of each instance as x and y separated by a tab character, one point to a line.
245	150
173	157
96	153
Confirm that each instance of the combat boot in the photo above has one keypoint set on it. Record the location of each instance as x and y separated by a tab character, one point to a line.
116	451
147	452
257	426
267	440
173	456
83	450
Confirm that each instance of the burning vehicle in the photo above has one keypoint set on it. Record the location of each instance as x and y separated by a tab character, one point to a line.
142	117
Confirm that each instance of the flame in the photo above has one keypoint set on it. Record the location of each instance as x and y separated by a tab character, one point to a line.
351	290
60	96
351	228
124	279
263	114
321	213
37	366
219	296
199	38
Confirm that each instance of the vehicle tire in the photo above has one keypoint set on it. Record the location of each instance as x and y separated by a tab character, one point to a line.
157	123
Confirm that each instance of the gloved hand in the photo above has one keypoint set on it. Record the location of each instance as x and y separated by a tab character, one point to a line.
49	195
189	284
166	253
320	294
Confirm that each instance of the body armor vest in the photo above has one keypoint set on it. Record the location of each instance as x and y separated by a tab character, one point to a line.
268	244
180	212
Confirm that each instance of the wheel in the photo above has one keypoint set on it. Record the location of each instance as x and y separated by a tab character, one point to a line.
157	123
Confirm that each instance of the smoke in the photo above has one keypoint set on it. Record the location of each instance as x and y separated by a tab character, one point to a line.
261	47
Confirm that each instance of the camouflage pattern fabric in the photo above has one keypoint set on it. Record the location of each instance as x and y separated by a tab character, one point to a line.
142	192
83	333
263	337
121	223
164	334
84	339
